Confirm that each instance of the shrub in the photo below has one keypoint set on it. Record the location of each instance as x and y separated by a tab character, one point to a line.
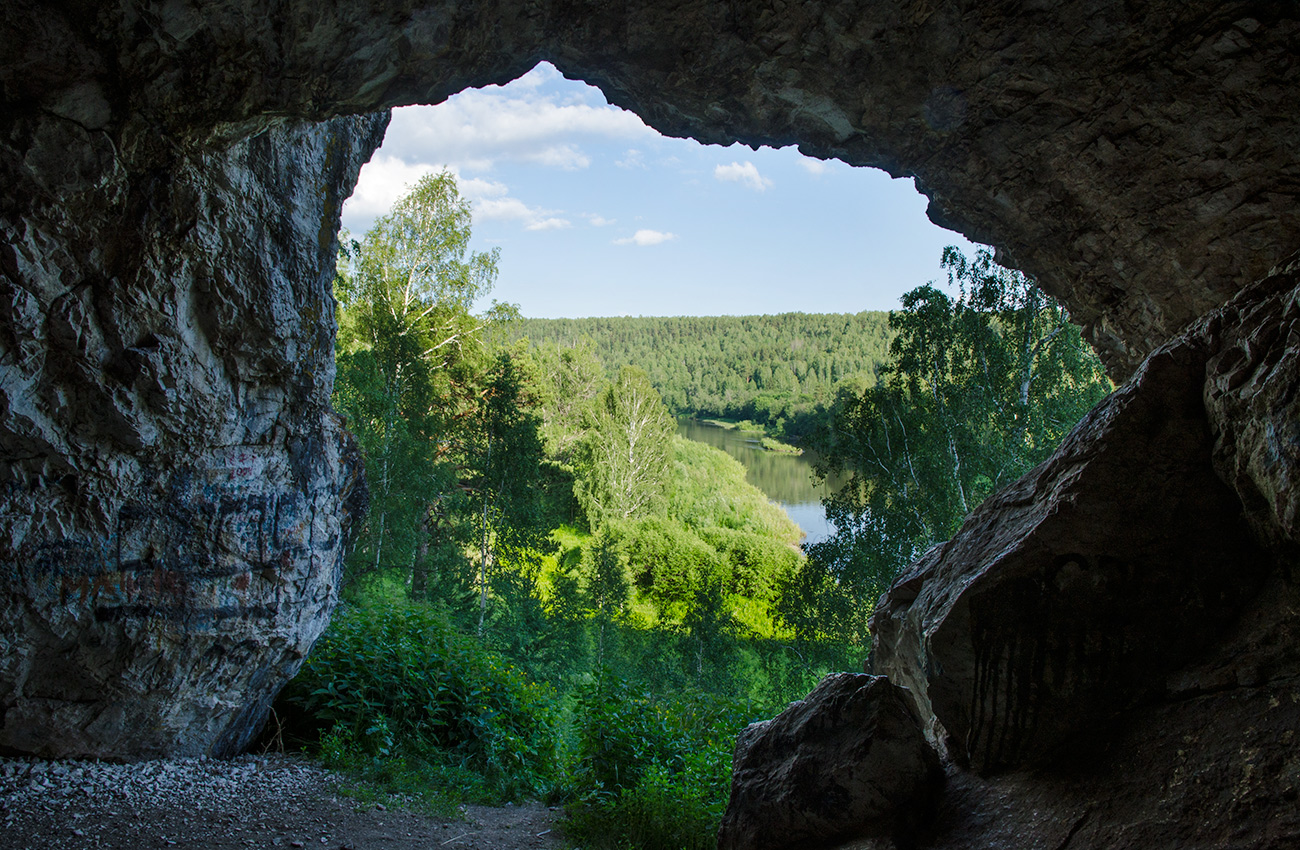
652	771
392	688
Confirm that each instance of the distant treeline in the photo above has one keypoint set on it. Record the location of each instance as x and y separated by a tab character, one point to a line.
780	371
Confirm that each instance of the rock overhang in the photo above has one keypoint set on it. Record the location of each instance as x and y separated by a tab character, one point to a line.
1140	163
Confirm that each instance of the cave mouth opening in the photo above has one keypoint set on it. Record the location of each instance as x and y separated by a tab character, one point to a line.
597	214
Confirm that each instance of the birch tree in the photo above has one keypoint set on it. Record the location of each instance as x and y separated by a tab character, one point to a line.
981	385
409	350
623	461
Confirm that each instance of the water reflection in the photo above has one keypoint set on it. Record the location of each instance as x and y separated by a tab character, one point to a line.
786	479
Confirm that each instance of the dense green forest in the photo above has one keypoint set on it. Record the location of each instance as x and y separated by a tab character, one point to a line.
553	594
778	371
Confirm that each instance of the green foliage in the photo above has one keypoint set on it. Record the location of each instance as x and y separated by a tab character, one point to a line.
450	431
623	456
502	465
778	371
709	489
393	687
409	353
772	445
653	771
656	628
979	388
571	377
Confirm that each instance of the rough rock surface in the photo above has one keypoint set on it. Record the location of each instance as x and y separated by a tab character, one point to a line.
1210	764
1067	595
175	492
850	760
1253	401
1141	160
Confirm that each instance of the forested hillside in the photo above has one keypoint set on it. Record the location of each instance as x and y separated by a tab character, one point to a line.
551	593
554	594
774	370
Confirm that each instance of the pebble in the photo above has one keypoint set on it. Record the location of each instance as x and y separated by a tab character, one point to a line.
49	792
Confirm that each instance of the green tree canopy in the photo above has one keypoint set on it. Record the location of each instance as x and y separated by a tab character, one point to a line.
570	378
980	386
502	466
624	458
780	371
409	356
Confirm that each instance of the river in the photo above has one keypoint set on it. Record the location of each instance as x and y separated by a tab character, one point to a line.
785	478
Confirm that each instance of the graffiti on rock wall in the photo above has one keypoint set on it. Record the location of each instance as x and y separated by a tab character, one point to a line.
211	549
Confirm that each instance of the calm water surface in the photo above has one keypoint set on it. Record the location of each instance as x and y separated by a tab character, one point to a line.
786	479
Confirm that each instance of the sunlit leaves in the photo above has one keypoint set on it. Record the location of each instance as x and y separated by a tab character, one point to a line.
624	458
981	385
409	356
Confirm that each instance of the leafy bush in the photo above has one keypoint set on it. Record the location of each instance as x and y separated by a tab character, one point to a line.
392	688
652	771
669	563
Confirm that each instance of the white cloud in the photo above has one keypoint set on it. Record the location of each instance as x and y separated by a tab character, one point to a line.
599	220
646	237
543	72
476	188
535	121
746	174
503	207
632	159
386	178
815	167
477	127
567	157
383	180
549	224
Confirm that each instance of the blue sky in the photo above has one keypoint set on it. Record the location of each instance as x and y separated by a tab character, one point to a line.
598	215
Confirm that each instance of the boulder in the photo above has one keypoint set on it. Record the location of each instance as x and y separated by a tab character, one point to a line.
847	762
1254	406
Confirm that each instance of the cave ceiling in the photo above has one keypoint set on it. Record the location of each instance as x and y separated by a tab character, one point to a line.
1139	158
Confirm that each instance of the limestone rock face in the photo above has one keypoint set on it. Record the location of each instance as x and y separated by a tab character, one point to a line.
176	491
1065	596
1211	763
848	761
1254	406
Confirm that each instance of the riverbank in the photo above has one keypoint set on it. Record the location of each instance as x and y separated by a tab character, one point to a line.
785	477
747	426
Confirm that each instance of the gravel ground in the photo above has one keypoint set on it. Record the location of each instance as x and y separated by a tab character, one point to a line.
271	801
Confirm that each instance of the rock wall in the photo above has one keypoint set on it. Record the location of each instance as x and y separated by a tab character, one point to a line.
1103	643
175	492
1107	653
1070	594
1140	159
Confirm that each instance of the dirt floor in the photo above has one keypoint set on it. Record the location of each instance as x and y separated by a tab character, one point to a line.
249	802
